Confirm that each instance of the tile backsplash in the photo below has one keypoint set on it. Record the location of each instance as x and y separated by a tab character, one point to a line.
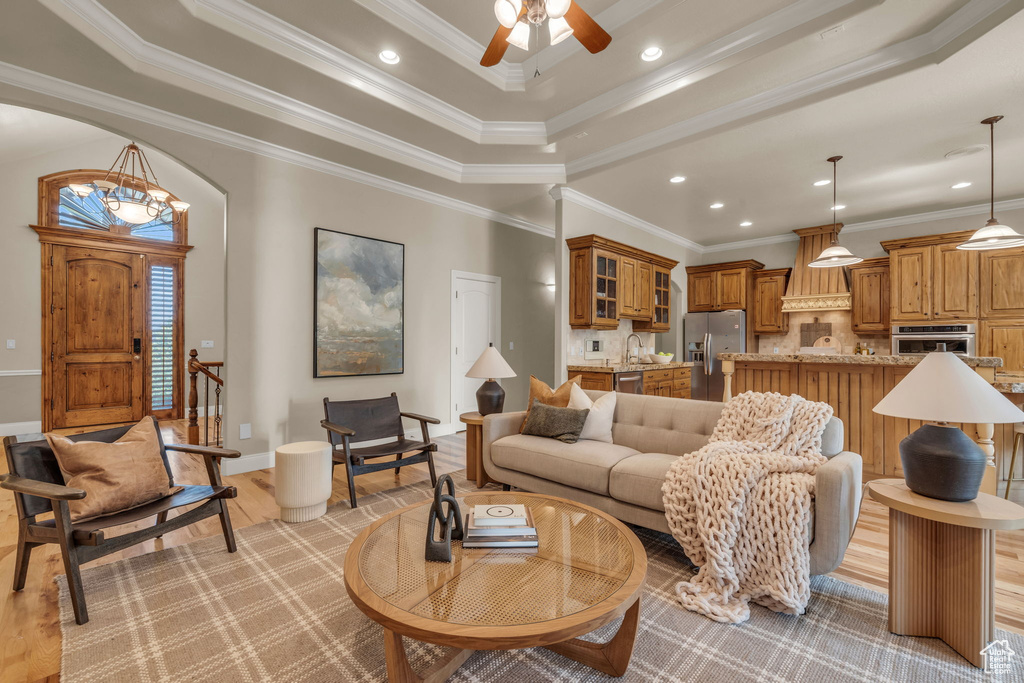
841	329
614	343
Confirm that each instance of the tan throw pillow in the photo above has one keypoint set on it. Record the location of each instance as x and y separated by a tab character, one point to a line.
115	476
540	391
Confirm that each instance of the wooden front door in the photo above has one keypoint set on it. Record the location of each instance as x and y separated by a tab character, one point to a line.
96	373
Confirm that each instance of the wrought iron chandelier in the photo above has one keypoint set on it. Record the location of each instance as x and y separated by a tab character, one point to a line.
131	192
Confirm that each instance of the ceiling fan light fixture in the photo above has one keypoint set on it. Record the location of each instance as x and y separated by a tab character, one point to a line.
559	30
506	13
520	36
556	9
993	235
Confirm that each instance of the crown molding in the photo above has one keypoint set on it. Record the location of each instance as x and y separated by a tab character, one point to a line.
882	223
898	56
261	28
436	33
72	92
683	72
567	194
110	33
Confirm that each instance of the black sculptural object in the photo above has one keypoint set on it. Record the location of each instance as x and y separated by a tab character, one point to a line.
439	549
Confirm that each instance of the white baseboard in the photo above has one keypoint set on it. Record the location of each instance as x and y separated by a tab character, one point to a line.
263	461
13	428
247	463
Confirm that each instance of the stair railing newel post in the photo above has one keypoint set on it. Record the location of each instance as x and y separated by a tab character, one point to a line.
193	398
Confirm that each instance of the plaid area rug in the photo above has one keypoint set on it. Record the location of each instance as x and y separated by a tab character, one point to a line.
277	610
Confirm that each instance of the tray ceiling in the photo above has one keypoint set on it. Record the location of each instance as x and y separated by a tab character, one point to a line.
747	101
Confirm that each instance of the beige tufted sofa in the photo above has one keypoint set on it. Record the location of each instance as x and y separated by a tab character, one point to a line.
624	478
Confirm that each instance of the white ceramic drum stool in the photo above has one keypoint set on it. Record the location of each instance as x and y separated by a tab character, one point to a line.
303	475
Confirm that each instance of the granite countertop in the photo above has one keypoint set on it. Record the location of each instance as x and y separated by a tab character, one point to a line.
1009	387
632	367
849	359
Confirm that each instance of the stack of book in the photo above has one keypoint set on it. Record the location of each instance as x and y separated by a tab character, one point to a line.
500	526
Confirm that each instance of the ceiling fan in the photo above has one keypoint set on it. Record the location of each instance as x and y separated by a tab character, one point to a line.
565	18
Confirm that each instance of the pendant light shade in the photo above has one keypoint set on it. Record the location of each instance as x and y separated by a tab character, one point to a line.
834	255
559	29
506	12
135	213
993	235
520	36
556	9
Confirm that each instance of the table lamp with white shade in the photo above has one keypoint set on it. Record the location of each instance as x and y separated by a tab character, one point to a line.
939	460
490	397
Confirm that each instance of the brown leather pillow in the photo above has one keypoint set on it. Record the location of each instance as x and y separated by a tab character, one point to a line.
115	476
540	391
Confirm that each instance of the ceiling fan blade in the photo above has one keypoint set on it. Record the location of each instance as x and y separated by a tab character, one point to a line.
496	48
586	30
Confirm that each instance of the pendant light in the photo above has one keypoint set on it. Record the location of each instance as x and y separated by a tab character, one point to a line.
834	254
993	235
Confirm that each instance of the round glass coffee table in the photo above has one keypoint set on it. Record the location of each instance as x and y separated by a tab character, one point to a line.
588	571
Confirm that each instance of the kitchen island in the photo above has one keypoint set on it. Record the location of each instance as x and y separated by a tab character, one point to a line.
853	385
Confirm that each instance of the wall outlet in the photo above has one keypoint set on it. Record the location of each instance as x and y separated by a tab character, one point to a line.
775	350
245	431
10	343
511	346
206	344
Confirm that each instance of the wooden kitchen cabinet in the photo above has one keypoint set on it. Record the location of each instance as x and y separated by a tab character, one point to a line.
720	286
931	280
1002	283
637	286
869	296
910	283
769	288
661	306
609	281
700	292
1004	339
597	381
681	383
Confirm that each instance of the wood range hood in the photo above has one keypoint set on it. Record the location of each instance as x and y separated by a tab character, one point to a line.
816	289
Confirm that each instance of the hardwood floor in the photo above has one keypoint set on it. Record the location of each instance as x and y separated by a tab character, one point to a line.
30	640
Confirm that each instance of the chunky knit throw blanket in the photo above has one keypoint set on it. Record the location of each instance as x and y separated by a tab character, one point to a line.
741	505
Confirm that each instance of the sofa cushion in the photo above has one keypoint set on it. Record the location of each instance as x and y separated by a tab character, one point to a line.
564	424
638	480
540	391
582	465
658	424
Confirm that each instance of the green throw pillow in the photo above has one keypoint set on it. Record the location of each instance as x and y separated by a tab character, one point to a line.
564	424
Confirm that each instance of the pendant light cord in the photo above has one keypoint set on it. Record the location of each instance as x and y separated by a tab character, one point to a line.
992	169
835	232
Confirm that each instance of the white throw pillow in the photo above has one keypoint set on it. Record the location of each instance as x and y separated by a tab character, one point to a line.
598	426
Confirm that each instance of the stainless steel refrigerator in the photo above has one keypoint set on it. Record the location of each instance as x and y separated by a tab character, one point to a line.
707	335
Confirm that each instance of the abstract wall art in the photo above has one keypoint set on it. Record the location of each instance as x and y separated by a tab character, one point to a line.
359	316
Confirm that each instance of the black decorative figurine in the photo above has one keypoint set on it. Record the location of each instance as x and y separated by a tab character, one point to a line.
450	522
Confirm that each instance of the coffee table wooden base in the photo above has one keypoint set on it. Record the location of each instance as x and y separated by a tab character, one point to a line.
611	658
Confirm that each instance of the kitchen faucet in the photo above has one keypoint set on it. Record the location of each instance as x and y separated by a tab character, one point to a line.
638	341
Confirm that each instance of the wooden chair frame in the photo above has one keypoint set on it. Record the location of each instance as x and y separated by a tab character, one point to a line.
354	459
82	542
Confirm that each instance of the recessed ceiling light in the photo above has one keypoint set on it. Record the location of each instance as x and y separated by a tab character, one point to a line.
838	207
717	205
745	224
966	151
651	53
677	179
819	183
389	57
960	186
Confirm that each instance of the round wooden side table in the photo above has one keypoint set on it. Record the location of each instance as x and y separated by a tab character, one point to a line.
942	558
474	448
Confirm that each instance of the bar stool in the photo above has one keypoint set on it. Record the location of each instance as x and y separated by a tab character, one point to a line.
1018	438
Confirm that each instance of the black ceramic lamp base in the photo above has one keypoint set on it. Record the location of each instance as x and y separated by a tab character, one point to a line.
490	398
942	462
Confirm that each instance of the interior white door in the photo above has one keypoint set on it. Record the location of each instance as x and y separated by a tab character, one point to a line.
476	322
